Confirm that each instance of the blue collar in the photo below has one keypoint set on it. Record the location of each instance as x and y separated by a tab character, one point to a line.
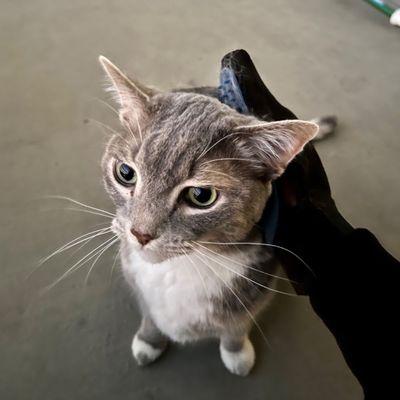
270	216
230	94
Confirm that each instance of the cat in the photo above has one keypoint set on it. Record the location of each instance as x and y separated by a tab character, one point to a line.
190	178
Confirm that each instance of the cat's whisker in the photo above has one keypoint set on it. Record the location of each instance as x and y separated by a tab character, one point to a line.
75	242
138	126
58	197
133	135
100	224
246	277
109	106
64	248
216	143
84	243
244	265
81	262
221	173
199	274
174	246
105	126
261	244
80	210
88	212
97	259
205	147
117	253
112	130
257	325
227	159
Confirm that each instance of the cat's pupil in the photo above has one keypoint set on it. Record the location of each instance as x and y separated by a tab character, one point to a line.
201	195
126	172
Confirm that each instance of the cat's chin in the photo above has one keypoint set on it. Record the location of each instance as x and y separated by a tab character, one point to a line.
153	257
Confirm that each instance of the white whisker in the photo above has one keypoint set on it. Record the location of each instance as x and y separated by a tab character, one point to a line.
246	277
112	130
97	258
105	126
88	212
226	159
221	173
138	126
216	143
114	263
100	224
133	135
262	244
107	105
85	243
198	273
75	242
81	262
205	147
237	297
80	203
243	265
66	247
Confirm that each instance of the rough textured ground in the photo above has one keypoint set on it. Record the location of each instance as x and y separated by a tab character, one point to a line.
73	342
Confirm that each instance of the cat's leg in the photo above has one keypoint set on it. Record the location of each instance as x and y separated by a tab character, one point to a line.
237	353
148	343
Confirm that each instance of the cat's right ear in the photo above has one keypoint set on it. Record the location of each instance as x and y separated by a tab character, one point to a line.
132	97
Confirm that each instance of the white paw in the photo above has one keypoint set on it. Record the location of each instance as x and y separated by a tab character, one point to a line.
144	352
239	362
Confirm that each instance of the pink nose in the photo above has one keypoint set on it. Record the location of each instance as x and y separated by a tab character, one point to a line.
143	238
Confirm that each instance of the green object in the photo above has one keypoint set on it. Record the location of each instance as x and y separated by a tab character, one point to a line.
381	6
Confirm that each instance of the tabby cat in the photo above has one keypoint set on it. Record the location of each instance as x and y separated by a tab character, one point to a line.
190	178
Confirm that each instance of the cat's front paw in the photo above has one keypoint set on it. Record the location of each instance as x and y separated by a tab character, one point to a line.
145	353
239	362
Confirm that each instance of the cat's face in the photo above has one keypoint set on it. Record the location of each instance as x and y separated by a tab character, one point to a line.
188	168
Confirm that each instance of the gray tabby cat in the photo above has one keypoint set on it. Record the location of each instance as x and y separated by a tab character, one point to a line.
190	177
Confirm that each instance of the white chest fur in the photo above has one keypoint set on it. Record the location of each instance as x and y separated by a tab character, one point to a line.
177	292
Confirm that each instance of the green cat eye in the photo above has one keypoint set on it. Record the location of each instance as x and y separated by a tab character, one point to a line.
125	174
201	197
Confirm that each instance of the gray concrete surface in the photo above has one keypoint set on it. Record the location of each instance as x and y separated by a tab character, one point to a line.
73	342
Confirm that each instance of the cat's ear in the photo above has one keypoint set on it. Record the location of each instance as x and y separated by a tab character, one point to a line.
272	145
132	97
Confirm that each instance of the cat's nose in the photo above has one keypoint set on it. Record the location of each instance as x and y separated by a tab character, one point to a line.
143	238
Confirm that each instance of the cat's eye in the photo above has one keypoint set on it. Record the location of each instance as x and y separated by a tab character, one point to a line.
201	197
125	174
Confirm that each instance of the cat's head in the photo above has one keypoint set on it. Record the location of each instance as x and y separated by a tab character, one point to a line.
187	168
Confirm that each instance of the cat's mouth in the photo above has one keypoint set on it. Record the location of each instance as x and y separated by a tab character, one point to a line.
154	253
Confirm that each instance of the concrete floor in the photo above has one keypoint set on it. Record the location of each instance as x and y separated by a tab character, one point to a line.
73	342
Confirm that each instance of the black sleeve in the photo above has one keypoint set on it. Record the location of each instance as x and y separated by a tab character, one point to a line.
356	293
354	289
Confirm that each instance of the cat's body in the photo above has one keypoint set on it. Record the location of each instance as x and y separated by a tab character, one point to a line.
190	178
192	300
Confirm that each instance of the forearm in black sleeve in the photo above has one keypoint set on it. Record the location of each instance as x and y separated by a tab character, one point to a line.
354	288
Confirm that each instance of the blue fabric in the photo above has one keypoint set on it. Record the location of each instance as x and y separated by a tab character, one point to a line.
229	91
230	94
269	219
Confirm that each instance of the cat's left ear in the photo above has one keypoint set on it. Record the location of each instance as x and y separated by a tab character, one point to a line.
132	97
272	145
